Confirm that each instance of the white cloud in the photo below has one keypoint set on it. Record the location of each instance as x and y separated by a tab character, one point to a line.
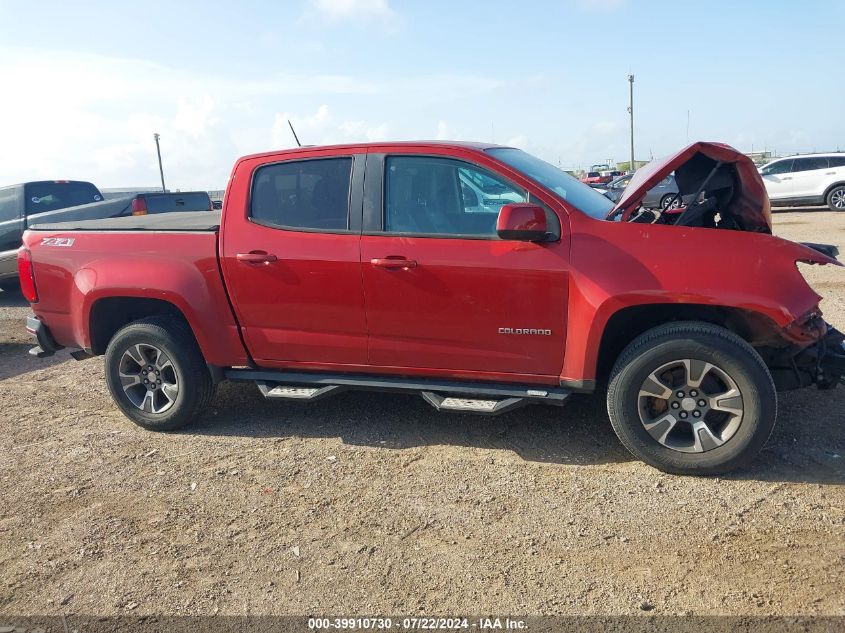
92	117
520	141
194	116
341	9
600	5
443	133
322	128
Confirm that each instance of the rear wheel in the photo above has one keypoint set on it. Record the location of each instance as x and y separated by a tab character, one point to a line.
692	399
836	198
157	375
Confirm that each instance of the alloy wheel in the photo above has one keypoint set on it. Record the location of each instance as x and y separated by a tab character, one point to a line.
690	406
148	378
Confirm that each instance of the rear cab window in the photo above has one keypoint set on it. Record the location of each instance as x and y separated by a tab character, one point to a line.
58	194
306	194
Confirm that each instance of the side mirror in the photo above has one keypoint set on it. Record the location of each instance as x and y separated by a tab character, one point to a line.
523	222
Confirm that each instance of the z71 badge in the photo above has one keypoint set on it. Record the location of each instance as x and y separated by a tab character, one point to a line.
57	241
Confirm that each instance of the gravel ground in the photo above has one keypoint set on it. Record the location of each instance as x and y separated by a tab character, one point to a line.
369	503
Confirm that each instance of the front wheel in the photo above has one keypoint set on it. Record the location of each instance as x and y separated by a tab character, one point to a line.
692	399
836	198
670	201
157	375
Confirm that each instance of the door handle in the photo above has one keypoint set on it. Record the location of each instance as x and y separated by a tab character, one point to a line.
256	257
393	262
787	178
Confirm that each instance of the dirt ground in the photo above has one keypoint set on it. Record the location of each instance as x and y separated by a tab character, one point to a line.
375	504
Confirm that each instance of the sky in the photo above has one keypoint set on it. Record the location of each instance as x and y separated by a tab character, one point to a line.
86	84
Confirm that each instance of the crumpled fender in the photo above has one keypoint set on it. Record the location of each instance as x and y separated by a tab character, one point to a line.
618	265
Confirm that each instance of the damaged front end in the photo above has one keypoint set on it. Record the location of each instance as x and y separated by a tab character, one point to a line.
822	363
719	187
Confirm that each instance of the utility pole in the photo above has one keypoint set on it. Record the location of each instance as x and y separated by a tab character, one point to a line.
156	136
631	112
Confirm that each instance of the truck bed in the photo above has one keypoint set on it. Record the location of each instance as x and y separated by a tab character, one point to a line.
91	269
182	221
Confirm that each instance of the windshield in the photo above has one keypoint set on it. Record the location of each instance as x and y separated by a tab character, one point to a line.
576	193
50	195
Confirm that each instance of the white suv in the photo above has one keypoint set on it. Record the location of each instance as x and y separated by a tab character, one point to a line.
807	179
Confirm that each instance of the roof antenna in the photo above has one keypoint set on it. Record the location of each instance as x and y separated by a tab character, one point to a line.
298	144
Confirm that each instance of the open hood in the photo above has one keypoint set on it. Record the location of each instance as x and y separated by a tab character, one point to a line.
736	181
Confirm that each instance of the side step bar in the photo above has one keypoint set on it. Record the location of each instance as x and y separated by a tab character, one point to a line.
465	397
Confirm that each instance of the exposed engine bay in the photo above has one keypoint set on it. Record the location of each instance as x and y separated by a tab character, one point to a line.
718	188
705	191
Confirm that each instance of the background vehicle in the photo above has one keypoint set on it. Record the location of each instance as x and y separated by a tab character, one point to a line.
20	202
660	196
810	179
64	200
558	292
178	202
594	178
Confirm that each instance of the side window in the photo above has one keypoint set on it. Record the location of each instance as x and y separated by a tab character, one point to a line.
9	206
303	194
836	161
440	196
779	167
810	163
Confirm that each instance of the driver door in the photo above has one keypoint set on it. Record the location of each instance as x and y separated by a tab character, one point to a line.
443	293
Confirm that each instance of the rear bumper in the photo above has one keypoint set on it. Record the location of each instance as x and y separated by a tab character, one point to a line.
47	345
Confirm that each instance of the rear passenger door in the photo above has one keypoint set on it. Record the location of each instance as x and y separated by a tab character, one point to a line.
292	264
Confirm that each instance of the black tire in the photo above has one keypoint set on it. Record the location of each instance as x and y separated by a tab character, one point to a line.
666	200
729	354
835	199
176	341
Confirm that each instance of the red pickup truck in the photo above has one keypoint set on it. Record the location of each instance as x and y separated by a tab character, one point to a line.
478	276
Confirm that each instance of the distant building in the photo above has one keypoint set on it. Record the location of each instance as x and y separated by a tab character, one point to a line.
761	158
